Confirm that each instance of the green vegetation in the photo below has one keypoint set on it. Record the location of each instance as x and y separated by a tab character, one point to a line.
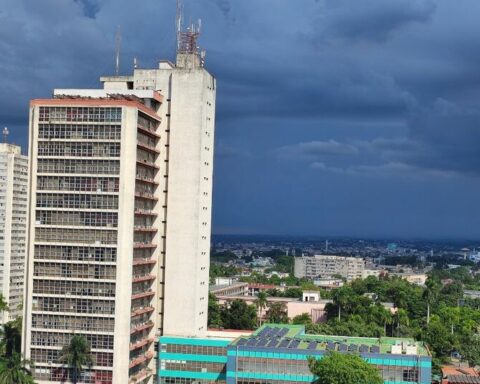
13	368
342	368
220	270
77	357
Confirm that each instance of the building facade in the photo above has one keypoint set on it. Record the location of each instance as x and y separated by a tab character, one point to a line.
120	210
279	354
13	224
327	267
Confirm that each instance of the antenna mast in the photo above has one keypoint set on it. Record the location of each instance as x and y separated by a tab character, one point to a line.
5	134
118	42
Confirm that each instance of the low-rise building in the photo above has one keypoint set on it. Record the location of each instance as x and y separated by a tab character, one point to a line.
278	354
459	375
235	289
326	266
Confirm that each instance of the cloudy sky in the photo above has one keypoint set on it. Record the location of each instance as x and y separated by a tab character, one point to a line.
334	117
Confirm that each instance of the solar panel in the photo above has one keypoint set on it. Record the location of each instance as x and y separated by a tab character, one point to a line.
330	346
312	345
294	343
264	331
284	343
283	332
375	349
251	342
363	348
241	342
272	343
343	348
352	348
261	342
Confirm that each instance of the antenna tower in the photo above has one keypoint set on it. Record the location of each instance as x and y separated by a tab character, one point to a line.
5	134
187	39
118	43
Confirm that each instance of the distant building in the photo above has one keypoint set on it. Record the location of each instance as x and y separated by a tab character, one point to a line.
324	266
13	228
278	353
328	283
413	278
459	375
235	289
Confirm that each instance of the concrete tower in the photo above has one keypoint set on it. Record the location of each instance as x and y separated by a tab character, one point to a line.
120	218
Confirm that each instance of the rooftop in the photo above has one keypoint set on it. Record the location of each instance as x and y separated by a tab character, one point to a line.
293	337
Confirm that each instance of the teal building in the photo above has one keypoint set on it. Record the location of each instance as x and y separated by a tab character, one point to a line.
277	354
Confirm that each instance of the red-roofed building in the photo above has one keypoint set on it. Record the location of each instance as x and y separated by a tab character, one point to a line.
459	375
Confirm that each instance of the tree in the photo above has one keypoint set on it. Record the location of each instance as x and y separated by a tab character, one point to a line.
261	304
343	368
303	319
77	356
3	304
14	371
430	294
12	336
239	315
214	312
470	350
277	313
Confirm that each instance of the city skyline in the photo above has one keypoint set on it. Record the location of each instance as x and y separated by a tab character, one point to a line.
333	118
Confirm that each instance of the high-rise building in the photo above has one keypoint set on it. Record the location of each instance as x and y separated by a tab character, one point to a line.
326	266
13	224
120	218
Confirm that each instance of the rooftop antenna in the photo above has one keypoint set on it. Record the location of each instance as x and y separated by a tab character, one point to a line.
178	22
135	63
118	42
5	134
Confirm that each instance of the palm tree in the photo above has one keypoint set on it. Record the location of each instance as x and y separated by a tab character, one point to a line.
402	319
430	294
3	304
76	356
11	337
14	371
261	304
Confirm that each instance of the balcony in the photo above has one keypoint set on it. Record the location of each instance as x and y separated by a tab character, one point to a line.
141	375
141	295
144	195
148	131
142	228
143	179
145	212
139	245
140	279
146	147
141	343
146	163
140	359
141	311
141	327
143	262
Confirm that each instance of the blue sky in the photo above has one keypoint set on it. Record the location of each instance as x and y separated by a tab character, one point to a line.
334	117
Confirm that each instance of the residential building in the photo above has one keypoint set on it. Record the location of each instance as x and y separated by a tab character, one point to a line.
326	266
13	225
459	375
120	211
278	354
315	308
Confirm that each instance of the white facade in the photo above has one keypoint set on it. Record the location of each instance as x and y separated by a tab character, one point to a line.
148	173
326	266
13	224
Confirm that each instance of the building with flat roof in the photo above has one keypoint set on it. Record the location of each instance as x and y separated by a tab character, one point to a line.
120	218
13	227
279	354
327	267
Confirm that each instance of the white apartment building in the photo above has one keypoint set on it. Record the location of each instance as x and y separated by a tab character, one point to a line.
120	219
327	267
13	224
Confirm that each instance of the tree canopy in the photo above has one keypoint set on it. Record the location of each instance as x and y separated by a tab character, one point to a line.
343	368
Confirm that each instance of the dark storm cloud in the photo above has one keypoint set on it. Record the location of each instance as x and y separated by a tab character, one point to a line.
373	20
329	112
